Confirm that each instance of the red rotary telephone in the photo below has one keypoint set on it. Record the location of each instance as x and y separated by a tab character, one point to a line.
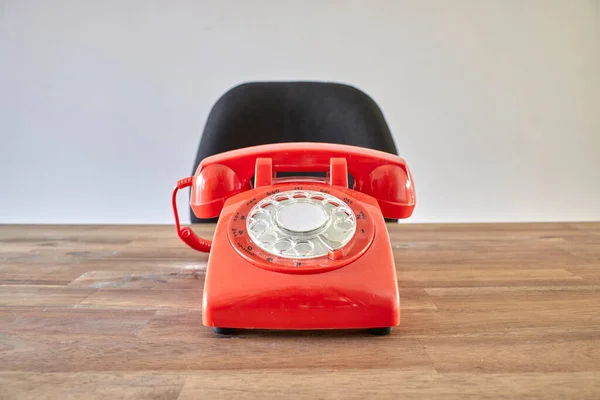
299	252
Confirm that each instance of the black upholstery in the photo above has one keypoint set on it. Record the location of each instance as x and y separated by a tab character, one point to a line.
275	112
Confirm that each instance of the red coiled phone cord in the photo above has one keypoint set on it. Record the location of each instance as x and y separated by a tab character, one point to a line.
186	234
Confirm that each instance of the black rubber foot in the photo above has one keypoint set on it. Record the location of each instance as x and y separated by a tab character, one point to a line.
381	331
224	331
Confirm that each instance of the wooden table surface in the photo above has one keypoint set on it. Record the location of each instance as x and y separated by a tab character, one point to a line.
488	311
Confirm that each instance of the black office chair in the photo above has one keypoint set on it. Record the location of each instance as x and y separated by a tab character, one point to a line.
275	112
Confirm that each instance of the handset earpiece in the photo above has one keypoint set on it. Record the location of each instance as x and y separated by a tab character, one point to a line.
211	186
392	186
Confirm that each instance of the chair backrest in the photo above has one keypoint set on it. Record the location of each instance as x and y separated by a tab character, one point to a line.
275	112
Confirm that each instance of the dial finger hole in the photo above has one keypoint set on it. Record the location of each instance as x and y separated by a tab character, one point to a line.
329	206
303	247
269	208
267	238
341	214
299	195
281	198
259	227
261	216
265	204
317	197
283	245
335	235
343	225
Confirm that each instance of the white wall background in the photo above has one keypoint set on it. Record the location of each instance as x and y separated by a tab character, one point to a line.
494	104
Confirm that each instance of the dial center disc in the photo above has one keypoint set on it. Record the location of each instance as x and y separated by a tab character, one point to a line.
301	217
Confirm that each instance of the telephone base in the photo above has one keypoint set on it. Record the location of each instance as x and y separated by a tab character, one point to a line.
247	287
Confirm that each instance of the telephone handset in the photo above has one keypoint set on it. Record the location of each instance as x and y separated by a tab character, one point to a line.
299	252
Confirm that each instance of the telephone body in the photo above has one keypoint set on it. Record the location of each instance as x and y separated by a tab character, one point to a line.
299	252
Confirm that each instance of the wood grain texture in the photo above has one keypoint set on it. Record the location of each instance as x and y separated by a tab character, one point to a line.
488	311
